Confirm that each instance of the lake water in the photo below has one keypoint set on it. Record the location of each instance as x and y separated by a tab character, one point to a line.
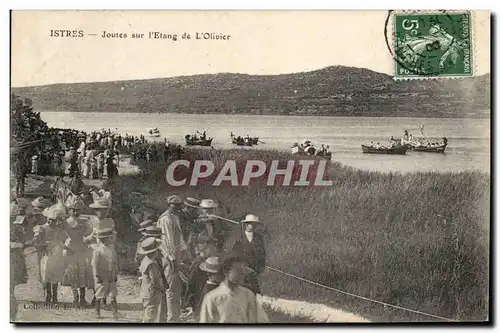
468	139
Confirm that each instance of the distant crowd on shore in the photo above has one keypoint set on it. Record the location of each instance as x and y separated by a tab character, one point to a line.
94	155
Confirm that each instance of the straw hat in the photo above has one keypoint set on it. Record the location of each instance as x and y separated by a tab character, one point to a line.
40	202
19	219
100	203
251	218
145	224
149	245
152	231
74	202
105	233
208	203
211	265
174	199
53	212
192	202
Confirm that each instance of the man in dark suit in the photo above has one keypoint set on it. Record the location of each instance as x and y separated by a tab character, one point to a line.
250	249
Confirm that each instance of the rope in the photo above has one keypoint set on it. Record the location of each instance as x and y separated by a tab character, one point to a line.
345	292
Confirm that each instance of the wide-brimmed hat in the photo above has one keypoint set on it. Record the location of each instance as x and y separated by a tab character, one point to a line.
100	203
208	203
152	231
251	218
143	225
174	199
53	212
105	233
40	202
192	202
19	219
211	265
74	202
149	245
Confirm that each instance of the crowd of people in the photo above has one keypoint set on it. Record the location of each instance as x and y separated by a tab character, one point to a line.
189	260
94	155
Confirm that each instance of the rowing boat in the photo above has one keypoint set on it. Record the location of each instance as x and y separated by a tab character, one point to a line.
401	150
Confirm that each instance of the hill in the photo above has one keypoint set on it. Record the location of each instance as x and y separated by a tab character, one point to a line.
333	91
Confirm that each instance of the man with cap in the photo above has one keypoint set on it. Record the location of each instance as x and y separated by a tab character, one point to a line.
230	302
188	215
153	282
105	270
249	246
173	247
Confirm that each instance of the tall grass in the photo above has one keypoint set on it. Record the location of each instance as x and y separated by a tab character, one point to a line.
418	240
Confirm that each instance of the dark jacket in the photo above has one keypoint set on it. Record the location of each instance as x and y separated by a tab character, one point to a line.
252	253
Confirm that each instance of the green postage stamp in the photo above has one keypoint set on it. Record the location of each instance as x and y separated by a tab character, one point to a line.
433	44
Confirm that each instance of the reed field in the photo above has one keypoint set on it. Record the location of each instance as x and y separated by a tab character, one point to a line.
417	240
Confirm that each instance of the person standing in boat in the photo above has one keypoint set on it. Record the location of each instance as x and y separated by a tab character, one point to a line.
378	145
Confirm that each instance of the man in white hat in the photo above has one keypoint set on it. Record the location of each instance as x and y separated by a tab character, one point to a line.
105	270
230	302
220	230
153	282
250	248
173	247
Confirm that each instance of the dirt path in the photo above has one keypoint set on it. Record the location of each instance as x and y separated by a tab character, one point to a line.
31	306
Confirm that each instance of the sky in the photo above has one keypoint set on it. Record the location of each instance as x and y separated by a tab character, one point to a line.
271	42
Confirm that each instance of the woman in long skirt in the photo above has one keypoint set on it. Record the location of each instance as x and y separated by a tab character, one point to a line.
49	240
75	252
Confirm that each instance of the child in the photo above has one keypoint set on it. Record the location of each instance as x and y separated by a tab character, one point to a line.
105	270
153	282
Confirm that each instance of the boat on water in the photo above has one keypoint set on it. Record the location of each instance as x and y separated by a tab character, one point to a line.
241	141
153	132
307	148
399	150
430	149
193	140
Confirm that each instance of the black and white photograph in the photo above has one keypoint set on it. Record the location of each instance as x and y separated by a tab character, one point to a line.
250	167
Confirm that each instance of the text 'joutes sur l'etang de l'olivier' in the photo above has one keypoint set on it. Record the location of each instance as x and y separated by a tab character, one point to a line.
138	35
